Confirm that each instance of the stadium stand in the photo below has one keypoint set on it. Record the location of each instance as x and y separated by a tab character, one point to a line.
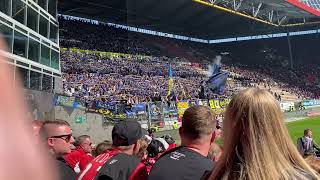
140	75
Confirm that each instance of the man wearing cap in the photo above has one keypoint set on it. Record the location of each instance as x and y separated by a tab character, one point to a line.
119	162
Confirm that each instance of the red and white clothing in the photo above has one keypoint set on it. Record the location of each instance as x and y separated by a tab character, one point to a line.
74	158
114	164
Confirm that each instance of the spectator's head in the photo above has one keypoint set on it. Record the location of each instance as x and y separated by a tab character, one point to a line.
256	142
307	133
198	125
84	141
101	148
57	136
125	136
142	153
157	147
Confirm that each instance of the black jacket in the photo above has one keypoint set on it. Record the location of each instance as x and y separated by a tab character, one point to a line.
65	171
123	167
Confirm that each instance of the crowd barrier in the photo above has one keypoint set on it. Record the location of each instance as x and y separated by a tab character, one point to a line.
160	114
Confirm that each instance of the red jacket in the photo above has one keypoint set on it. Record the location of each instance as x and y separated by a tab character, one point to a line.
73	158
84	161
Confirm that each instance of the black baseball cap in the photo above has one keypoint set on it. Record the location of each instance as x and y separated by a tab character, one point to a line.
126	133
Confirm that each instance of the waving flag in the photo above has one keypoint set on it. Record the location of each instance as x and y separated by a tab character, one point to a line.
170	82
217	78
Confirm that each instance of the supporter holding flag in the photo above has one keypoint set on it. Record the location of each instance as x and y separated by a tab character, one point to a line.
82	152
189	161
170	83
120	161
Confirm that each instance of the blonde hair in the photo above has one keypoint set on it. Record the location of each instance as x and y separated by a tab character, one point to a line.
143	148
256	141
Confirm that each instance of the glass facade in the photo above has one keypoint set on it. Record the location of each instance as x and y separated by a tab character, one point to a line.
34	50
55	59
35	80
5	6
18	10
43	4
43	26
30	30
20	44
45	55
6	34
52	7
46	82
32	19
53	32
23	74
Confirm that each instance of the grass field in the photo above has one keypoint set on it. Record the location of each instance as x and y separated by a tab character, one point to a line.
295	129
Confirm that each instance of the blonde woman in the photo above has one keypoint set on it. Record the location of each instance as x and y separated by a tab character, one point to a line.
256	142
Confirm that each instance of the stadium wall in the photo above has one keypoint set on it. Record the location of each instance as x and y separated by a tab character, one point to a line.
85	123
40	104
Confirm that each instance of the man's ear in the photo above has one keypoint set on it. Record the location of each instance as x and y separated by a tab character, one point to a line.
50	142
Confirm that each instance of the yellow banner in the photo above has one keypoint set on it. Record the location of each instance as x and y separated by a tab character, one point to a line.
103	54
183	105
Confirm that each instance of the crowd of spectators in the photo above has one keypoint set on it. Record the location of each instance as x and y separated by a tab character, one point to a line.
89	76
118	78
143	75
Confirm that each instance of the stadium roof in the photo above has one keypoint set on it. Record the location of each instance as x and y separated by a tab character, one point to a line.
205	19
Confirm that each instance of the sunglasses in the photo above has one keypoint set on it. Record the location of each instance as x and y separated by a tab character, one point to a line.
66	137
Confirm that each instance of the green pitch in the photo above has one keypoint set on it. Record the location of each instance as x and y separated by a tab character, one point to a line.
295	129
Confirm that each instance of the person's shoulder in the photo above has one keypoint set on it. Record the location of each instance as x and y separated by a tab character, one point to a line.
65	170
121	164
121	161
